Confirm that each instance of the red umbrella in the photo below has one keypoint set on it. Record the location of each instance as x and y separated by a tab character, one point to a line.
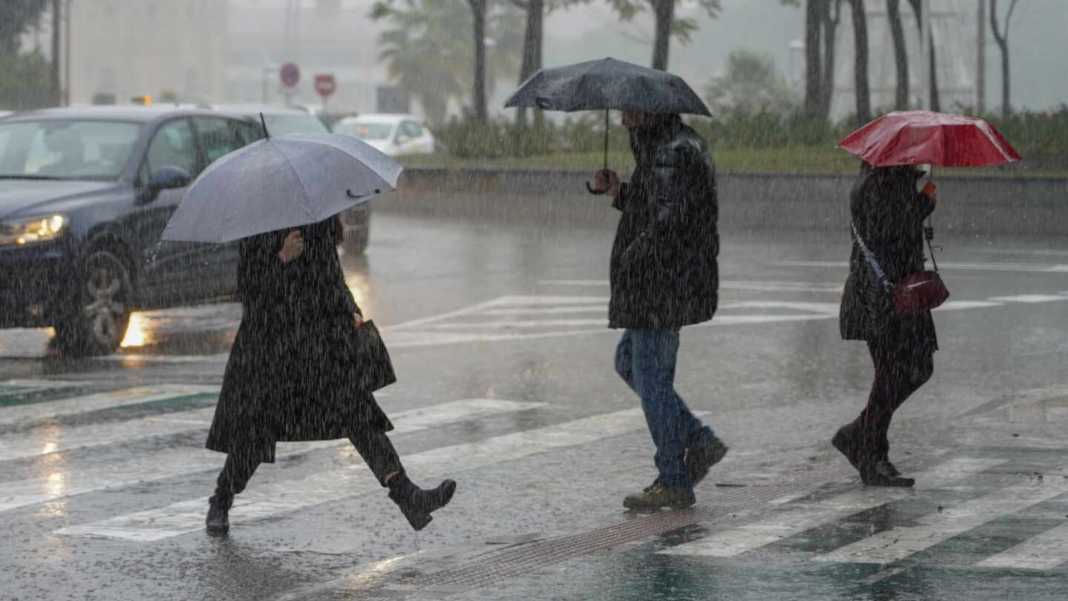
920	137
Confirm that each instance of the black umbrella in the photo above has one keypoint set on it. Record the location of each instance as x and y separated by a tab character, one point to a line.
608	84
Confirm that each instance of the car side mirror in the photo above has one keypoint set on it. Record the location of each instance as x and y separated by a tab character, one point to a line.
166	178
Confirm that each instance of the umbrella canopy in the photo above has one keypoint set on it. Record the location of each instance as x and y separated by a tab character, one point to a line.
918	137
280	183
608	84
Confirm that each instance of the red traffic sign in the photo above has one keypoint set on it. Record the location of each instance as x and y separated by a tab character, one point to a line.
290	75
325	85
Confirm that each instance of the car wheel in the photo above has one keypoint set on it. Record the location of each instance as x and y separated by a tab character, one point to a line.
100	314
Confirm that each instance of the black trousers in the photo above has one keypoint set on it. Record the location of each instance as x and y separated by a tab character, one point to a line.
374	447
900	370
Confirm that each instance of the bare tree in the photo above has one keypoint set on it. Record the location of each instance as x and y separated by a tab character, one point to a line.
932	56
478	10
901	57
533	41
860	68
1002	39
830	16
666	23
813	61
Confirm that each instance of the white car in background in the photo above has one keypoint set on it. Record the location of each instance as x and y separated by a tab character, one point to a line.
394	135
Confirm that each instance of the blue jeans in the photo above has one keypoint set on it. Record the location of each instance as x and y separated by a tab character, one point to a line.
645	359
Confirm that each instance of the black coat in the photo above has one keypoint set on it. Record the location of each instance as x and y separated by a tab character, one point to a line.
888	213
664	270
291	374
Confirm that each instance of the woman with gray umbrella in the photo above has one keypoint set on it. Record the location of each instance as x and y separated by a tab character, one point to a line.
293	376
304	364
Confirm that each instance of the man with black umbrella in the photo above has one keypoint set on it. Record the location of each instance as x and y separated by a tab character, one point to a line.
664	276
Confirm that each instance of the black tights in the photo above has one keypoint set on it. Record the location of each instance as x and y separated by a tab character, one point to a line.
375	448
899	372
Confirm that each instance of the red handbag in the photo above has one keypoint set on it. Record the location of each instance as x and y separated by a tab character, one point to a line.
915	293
920	292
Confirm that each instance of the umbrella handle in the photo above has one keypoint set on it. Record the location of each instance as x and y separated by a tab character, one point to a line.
593	190
357	196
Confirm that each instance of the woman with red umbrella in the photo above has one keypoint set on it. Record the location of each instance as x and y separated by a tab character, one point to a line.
887	214
888	296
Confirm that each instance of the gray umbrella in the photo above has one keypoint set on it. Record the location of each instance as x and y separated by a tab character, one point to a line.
605	85
280	183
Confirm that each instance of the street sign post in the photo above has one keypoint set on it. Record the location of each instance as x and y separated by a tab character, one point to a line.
325	85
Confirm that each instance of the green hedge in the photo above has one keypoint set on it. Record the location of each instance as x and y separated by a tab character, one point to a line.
1041	137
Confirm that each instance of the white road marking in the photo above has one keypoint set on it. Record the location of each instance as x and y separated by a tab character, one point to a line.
880	576
46	439
759	285
274	499
1043	552
9	387
1014	267
935	528
1030	298
67	480
99	401
793	520
468	326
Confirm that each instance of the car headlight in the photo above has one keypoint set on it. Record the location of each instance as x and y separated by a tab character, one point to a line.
29	231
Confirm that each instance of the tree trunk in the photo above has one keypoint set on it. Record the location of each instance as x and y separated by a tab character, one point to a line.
813	65
1002	39
665	15
830	42
901	57
532	50
57	90
478	7
860	69
935	99
1006	88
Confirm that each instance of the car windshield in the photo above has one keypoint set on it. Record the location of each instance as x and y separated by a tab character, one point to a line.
53	149
280	125
365	130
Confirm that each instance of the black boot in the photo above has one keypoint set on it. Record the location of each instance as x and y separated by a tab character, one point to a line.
218	520
847	441
417	504
882	473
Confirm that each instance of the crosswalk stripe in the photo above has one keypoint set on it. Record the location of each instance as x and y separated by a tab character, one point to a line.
1018	267
788	522
270	500
20	392
75	480
99	401
46	439
935	528
1043	552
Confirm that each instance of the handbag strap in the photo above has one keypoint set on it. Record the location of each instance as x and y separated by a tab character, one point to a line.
870	257
930	224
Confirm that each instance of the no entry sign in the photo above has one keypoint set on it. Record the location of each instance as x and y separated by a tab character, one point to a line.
325	84
290	75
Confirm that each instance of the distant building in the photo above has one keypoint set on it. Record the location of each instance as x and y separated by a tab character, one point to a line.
320	36
127	48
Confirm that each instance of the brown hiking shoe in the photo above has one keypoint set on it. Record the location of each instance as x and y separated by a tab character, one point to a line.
658	496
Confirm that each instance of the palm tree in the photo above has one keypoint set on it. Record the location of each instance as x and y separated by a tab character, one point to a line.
429	53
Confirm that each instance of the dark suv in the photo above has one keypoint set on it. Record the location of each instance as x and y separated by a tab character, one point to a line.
84	197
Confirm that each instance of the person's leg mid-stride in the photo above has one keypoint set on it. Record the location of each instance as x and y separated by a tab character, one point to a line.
685	448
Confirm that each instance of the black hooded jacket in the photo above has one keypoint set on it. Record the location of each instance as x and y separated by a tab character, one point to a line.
888	214
664	271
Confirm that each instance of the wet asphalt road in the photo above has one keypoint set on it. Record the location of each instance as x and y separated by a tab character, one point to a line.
497	329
